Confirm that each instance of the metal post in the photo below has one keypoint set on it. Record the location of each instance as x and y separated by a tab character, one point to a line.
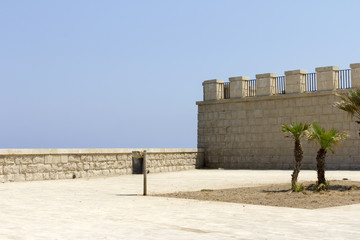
145	171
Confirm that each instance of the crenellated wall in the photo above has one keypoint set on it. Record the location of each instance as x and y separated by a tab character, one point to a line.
244	131
47	164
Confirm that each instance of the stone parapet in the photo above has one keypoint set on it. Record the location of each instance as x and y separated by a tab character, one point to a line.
327	78
47	164
295	81
265	84
213	89
239	86
355	75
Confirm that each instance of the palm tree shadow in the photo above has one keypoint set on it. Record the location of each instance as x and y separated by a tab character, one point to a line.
276	191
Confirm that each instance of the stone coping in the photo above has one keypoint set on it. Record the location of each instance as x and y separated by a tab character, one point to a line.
274	97
96	151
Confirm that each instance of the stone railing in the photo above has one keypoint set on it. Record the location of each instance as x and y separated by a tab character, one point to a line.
46	164
328	79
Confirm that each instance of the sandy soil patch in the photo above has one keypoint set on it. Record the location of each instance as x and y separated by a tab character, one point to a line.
340	193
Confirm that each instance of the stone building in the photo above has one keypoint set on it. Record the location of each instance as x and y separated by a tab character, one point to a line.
239	122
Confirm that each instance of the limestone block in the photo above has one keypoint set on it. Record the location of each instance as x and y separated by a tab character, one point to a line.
19	177
99	158
38	159
121	157
10	178
61	175
74	158
295	81
327	78
97	165
69	175
265	84
86	166
28	177
239	86
24	159
64	158
53	175
48	159
355	75
111	158
10	160
79	166
11	169
37	177
83	174
73	166
86	158
46	176
2	178
66	167
213	89
56	168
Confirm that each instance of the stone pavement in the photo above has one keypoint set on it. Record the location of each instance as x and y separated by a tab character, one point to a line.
113	208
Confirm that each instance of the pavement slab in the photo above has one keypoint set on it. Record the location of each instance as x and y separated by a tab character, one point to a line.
113	208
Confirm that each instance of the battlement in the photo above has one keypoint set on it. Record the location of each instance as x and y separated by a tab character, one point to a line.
329	78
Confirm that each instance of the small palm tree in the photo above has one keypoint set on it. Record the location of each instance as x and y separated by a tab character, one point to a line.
350	103
327	139
297	130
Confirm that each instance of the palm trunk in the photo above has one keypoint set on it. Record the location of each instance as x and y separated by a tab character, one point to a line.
320	159
298	154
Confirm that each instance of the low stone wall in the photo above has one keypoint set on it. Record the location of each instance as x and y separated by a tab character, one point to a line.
47	164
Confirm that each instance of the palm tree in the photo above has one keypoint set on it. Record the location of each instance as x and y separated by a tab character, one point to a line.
350	103
327	139
297	130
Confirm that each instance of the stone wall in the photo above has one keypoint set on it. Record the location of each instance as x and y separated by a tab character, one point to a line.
245	132
46	164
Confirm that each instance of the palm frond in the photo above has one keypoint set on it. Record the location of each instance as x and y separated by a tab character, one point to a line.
349	102
296	129
327	139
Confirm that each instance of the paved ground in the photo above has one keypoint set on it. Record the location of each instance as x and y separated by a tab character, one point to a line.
108	208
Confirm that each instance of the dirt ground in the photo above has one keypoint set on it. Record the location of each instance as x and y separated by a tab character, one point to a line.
339	193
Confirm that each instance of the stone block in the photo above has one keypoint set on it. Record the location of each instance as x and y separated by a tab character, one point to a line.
10	160
83	174
64	158
24	159
53	175
37	177
213	89
38	159
11	169
69	175
74	158
10	178
327	78
19	177
61	175
86	158
46	176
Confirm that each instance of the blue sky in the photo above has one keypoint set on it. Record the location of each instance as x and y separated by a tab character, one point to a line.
127	74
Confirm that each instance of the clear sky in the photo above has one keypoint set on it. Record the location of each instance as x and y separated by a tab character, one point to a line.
127	74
